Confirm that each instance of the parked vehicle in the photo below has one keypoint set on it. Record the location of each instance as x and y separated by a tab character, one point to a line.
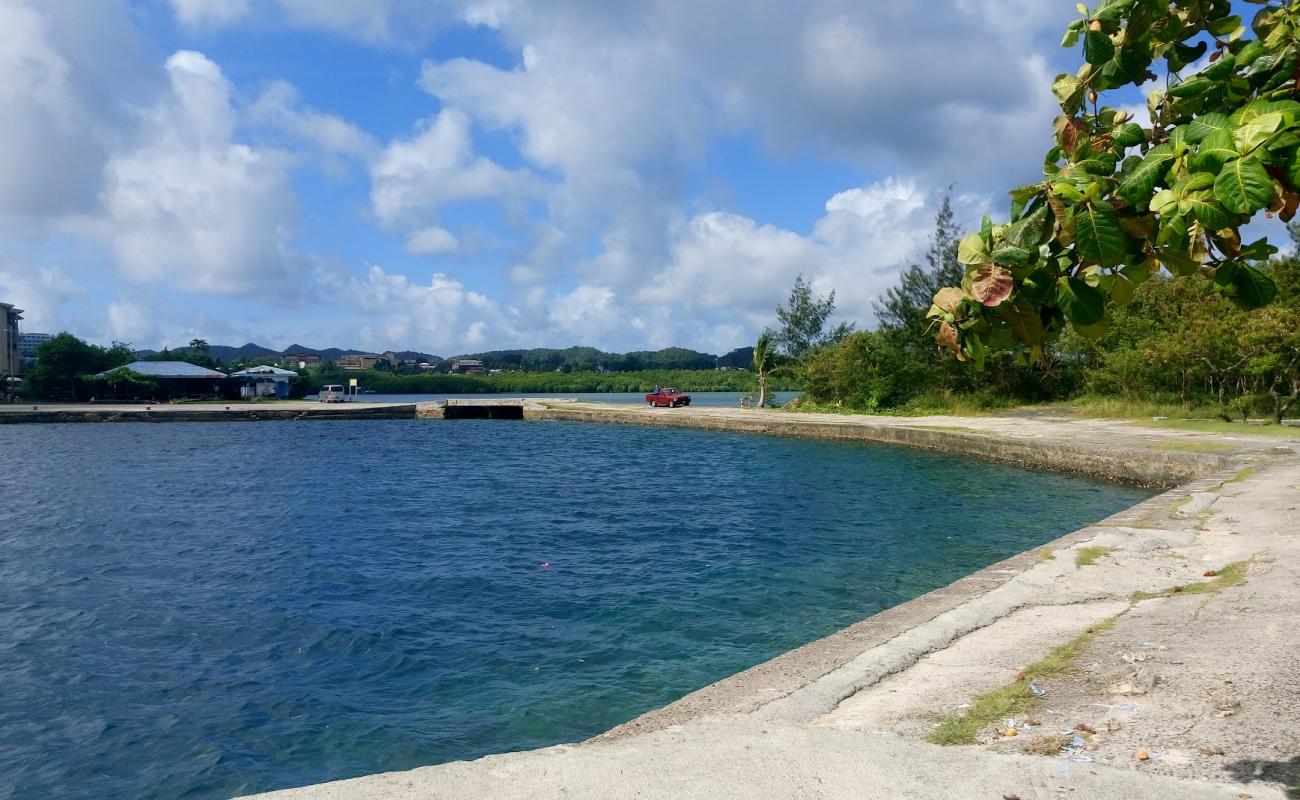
668	398
333	393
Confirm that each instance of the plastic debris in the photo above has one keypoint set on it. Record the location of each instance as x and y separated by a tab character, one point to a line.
1037	690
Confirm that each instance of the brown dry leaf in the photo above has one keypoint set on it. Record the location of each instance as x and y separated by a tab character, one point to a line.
948	339
992	285
1209	573
1084	727
948	298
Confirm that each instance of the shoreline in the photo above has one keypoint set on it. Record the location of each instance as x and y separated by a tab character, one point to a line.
849	712
789	712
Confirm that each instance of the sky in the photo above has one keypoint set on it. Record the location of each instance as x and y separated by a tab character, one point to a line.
454	176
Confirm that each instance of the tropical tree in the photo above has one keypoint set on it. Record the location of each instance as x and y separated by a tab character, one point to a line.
803	322
1120	201
904	306
764	363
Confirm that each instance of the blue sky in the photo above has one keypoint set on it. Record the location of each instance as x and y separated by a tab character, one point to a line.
451	176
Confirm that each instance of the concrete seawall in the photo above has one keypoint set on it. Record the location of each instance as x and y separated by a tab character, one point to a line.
204	412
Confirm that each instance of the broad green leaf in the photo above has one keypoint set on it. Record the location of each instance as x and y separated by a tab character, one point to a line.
1206	124
1141	182
1068	89
1012	256
1208	213
971	250
1082	304
1127	135
1095	331
1254	288
1215	150
1255	132
1165	202
1191	87
1098	236
1097	48
1224	25
1243	187
1121	291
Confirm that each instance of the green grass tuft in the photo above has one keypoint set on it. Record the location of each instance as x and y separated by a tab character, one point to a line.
1242	474
1219	426
1087	556
1012	699
1046	554
1233	574
1194	447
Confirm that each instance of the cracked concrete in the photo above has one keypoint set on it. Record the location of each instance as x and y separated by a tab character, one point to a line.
1206	685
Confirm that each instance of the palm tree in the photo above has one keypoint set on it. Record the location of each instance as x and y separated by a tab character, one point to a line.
764	362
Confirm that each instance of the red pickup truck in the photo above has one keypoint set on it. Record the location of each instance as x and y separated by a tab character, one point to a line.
668	398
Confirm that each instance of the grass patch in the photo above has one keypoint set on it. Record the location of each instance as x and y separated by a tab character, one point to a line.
1242	474
1012	699
1087	556
1119	408
1046	554
1194	447
1233	574
1047	745
1229	428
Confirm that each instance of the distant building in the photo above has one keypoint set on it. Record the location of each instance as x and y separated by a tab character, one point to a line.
468	366
300	360
11	363
175	379
29	343
264	381
361	361
392	359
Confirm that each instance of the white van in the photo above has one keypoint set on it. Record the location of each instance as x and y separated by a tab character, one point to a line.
332	393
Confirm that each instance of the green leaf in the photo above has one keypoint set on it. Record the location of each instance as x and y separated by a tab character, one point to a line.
1082	304
1121	292
1097	48
1191	87
971	250
1215	150
1206	124
1012	256
1255	132
1208	214
1243	187
1068	89
1224	25
1141	182
1254	288
1098	236
1127	135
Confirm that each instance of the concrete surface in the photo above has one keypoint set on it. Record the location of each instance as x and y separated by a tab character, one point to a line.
1207	684
201	412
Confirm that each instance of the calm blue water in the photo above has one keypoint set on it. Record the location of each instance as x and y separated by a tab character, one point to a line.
208	609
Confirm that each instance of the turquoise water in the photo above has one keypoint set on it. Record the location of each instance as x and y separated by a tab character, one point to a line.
208	609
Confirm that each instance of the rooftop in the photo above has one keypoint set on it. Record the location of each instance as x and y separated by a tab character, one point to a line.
170	369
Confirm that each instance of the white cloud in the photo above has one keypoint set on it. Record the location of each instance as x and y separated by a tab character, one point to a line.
442	316
66	70
280	106
41	292
413	177
190	207
431	241
202	13
132	321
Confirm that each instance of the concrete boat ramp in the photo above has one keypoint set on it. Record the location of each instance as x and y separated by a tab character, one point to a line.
1179	679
